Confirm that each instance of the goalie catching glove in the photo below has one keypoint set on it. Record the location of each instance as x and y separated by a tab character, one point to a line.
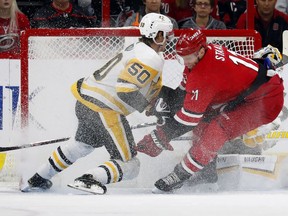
253	138
154	143
257	137
271	58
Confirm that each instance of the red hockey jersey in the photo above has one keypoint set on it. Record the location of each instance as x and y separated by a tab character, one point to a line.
218	78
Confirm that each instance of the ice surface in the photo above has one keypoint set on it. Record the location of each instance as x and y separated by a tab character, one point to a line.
125	202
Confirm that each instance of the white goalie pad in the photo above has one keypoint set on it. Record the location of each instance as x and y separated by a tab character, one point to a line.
252	172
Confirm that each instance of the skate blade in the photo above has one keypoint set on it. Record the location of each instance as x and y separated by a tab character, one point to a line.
27	189
97	190
24	186
155	190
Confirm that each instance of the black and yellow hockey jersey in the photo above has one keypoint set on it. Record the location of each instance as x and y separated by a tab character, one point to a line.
126	83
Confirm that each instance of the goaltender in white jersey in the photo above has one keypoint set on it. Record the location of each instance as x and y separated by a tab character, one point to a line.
126	83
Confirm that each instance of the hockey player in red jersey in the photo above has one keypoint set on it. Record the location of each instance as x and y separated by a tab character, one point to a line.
227	95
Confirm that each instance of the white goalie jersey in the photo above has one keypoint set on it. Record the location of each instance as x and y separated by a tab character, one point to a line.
126	83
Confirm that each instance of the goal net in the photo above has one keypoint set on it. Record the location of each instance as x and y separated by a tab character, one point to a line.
53	59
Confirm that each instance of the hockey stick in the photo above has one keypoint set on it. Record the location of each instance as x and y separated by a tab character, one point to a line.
184	138
285	47
30	145
142	125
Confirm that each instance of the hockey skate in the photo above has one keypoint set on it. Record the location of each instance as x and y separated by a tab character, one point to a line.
168	184
173	181
88	184
205	180
37	183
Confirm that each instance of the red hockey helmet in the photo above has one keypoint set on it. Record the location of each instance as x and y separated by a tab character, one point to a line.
190	42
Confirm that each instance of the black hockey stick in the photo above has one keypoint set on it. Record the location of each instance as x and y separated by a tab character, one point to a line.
30	145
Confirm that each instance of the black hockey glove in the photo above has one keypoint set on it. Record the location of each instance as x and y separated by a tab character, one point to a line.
160	109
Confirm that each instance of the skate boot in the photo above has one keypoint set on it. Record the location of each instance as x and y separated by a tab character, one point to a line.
37	183
207	177
173	181
87	183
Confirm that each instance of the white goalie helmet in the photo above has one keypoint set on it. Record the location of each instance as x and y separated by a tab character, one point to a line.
152	23
270	52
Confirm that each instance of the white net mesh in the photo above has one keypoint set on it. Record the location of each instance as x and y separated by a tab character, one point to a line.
105	47
74	47
9	175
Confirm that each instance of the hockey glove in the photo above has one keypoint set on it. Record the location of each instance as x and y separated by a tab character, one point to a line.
160	109
253	138
257	137
154	143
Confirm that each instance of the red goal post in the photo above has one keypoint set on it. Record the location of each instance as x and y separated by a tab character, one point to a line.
101	44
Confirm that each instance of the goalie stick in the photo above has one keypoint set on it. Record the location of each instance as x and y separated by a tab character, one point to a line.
285	47
35	144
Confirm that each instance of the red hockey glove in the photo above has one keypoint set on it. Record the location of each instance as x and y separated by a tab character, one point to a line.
154	143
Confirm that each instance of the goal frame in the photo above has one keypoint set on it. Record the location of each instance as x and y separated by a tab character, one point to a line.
122	32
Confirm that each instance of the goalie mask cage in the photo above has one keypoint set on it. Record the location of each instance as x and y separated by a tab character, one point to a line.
45	51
